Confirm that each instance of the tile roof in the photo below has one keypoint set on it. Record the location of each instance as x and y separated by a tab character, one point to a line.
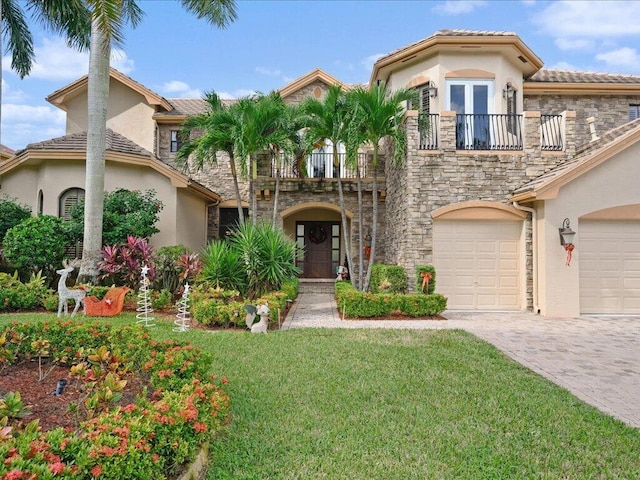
6	150
189	106
584	154
569	76
78	141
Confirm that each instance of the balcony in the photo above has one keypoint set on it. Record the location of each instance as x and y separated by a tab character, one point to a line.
495	132
316	165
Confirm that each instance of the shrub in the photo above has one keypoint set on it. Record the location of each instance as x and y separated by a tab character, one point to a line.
121	264
151	438
37	244
161	299
388	278
126	213
358	304
222	267
427	269
11	214
167	272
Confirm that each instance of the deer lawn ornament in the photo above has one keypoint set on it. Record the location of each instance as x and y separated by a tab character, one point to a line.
65	293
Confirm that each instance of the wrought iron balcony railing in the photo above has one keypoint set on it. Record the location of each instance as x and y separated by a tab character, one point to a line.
428	128
316	165
488	132
551	132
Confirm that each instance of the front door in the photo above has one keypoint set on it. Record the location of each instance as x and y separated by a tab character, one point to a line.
321	242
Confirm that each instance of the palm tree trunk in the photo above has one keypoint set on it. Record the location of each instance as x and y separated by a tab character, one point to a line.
343	214
254	194
234	174
374	220
97	99
360	226
277	192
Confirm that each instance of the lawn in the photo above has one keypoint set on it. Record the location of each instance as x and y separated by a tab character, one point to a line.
398	404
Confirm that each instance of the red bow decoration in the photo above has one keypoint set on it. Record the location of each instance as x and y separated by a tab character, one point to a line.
569	248
426	276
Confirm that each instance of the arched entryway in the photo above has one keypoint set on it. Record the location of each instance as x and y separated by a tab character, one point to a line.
317	230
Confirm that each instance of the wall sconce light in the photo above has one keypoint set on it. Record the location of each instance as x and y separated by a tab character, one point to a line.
566	234
508	92
433	90
566	240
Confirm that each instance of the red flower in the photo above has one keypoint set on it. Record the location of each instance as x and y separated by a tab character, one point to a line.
96	471
13	475
199	427
56	468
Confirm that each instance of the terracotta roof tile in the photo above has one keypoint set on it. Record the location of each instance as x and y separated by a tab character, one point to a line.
568	76
188	106
78	141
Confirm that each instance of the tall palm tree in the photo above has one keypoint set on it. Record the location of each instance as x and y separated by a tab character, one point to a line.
379	115
108	19
328	121
207	134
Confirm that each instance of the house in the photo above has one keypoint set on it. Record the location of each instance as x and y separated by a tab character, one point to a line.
502	155
5	153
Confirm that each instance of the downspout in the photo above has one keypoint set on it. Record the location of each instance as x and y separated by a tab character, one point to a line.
534	247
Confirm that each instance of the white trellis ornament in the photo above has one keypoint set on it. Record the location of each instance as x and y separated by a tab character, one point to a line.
182	318
144	304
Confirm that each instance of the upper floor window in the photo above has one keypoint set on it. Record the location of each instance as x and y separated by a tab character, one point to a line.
176	142
634	112
424	98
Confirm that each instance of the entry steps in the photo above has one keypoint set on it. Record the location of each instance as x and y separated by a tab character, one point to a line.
317	285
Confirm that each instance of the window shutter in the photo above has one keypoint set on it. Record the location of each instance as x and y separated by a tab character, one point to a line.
424	100
634	111
67	200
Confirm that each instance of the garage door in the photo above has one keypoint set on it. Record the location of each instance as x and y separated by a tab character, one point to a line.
478	263
609	267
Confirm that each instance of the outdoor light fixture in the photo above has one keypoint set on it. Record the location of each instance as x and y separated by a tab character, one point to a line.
566	234
433	90
508	92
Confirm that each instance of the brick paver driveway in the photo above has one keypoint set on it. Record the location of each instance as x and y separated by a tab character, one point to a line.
596	358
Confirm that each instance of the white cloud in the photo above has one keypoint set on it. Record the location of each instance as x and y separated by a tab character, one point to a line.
54	60
269	72
574	44
23	124
458	7
564	66
10	95
589	19
240	93
370	60
622	59
179	89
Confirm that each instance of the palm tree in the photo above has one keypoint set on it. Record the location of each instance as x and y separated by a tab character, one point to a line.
108	19
219	129
377	116
328	121
69	18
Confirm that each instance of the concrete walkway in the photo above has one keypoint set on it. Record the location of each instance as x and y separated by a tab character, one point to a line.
596	358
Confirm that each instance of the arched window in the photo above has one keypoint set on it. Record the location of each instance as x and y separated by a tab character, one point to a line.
40	202
67	200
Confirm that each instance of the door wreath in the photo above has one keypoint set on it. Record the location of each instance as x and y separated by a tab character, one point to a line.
317	234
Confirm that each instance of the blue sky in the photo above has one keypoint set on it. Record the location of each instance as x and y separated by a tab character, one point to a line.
274	42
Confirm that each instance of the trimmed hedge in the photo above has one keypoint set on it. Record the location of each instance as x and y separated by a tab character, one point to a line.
356	304
432	283
387	278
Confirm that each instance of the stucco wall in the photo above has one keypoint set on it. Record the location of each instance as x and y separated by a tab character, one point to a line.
607	185
191	220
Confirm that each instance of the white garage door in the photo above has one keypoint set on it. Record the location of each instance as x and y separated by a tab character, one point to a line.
478	263
609	266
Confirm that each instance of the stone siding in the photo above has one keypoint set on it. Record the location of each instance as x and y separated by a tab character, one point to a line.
609	111
298	96
428	180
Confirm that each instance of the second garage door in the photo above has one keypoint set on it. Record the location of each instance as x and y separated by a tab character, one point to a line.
478	263
609	267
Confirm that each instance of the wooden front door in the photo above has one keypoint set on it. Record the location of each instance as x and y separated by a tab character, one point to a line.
321	242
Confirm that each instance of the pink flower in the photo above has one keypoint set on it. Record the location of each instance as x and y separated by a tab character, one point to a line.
96	471
56	468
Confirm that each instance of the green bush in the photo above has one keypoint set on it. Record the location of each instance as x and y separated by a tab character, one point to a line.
37	244
356	304
125	213
432	282
11	214
161	299
222	267
15	295
388	278
167	272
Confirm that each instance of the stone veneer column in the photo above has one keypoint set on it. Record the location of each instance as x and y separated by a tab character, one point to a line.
569	133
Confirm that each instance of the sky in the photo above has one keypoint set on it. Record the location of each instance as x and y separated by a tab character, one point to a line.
274	42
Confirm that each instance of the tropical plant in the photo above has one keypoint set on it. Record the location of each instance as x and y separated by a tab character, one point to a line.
207	134
108	20
327	121
125	213
11	214
222	267
66	17
122	263
379	115
37	244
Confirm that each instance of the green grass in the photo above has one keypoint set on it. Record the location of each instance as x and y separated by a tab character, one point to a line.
398	404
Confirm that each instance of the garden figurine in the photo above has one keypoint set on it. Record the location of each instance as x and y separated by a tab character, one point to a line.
263	312
65	294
